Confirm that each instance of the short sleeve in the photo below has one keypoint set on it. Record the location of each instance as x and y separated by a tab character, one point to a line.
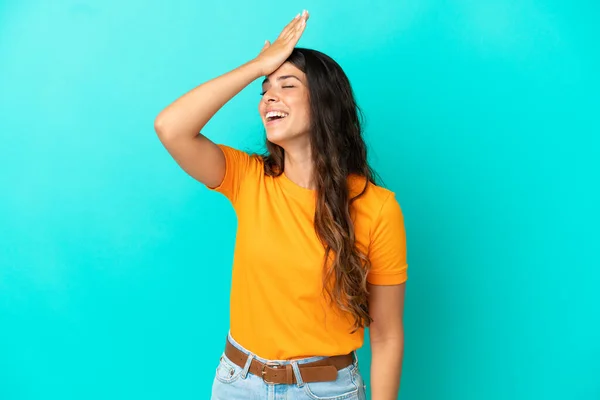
238	165
387	249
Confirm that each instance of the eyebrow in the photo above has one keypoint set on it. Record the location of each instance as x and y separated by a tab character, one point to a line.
282	78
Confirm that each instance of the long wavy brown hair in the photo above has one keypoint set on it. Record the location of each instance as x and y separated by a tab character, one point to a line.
338	151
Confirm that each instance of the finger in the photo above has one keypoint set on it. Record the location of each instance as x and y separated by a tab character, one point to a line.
296	33
293	23
301	26
305	15
290	36
266	46
289	26
291	41
298	22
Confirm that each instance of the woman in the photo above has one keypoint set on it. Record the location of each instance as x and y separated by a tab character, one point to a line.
320	250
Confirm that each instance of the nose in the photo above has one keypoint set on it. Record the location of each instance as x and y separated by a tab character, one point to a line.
269	97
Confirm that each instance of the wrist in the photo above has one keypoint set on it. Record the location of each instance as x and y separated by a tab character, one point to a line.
254	68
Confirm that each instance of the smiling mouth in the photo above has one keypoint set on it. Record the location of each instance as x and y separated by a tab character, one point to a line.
275	116
272	121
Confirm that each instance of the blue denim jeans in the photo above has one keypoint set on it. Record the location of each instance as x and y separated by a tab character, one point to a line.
232	382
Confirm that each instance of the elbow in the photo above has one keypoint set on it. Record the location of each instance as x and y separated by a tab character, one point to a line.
159	125
162	128
390	332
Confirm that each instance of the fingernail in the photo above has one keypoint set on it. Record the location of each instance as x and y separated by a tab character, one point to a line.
297	16
303	12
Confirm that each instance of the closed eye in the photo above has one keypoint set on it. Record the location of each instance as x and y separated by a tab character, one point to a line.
285	87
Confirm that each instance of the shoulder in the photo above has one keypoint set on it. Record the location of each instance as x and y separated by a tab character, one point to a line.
376	200
238	152
235	156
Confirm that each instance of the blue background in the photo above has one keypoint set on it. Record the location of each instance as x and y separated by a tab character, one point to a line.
482	116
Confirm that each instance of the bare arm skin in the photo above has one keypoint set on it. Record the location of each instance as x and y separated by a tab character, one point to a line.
178	126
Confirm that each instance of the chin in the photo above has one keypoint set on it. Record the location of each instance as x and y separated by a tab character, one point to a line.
277	137
281	137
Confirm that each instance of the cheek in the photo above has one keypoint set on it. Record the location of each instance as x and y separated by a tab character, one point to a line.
306	118
305	115
302	110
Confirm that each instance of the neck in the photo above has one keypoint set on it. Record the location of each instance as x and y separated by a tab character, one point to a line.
299	165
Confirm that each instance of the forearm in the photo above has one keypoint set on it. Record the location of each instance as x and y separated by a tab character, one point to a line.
386	368
189	113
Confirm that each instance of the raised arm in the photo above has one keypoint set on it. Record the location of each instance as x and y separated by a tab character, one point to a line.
178	126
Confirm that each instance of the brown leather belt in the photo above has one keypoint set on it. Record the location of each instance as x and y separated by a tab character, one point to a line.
324	370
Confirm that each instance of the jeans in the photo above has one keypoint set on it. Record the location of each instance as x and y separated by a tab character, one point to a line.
232	382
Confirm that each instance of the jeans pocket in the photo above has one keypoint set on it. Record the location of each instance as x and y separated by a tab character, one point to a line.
344	387
362	387
227	372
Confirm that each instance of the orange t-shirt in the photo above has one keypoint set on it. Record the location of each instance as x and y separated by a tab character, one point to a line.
278	310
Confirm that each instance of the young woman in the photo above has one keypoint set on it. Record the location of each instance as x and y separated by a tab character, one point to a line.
320	250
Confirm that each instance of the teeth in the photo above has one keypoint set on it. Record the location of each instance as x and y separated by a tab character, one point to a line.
272	114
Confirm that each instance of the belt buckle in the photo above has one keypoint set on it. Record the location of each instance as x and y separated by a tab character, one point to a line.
271	364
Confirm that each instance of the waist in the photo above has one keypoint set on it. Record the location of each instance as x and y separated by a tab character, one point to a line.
311	369
278	337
